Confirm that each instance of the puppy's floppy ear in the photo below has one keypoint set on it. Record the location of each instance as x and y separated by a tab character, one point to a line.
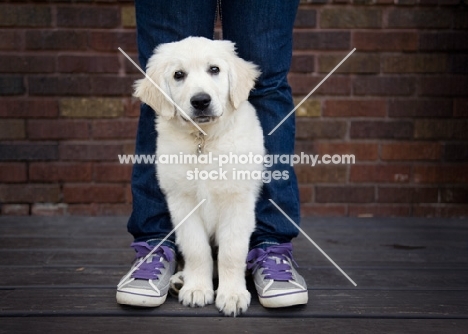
242	75
148	93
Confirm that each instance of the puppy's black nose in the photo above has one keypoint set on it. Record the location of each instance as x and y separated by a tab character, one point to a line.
200	101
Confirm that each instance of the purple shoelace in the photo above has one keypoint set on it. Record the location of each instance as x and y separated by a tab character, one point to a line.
151	270
267	259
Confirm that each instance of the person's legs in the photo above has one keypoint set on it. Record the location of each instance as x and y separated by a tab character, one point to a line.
262	32
160	21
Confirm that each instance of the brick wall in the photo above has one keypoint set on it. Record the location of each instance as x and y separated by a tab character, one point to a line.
399	104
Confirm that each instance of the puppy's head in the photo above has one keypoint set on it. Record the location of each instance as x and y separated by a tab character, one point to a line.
196	78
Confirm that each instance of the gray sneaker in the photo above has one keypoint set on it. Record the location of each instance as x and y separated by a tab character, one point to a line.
148	284
277	282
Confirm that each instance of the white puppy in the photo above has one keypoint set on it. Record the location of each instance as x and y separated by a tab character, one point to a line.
211	84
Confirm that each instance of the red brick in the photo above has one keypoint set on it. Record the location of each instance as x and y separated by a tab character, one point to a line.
29	193
15	209
132	107
25	16
357	63
88	16
381	130
321	40
350	18
454	195
128	66
12	129
49	209
362	151
88	64
344	194
414	63
69	85
30	108
441	129
379	210
114	209
321	174
323	210
27	64
56	40
13	172
380	173
305	193
28	151
423	18
115	129
305	18
355	108
58	129
420	108
112	85
443	41
411	151
112	172
302	63
94	193
440	174
459	211
10	39
314	129
111	41
302	84
82	209
384	86
128	194
97	151
60	171
407	195
460	108
385	41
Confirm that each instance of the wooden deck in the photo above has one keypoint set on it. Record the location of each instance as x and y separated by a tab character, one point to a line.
58	275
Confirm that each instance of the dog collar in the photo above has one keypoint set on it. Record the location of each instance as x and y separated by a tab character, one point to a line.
201	142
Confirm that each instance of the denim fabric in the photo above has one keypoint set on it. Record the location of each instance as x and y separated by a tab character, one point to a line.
262	31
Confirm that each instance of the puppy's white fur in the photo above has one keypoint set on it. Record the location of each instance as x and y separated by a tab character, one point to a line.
227	217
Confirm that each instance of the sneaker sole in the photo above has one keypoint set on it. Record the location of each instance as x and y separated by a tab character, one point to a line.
290	299
129	298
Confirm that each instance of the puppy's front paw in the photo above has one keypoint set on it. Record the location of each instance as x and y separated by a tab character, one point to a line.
196	296
232	302
175	283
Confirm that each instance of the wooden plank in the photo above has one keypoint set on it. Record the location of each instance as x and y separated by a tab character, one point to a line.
151	325
322	303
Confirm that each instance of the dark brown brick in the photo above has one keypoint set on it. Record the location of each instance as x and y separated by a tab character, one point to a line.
27	64
456	152
12	129
111	41
381	130
420	108
443	41
302	63
460	19
303	84
11	85
132	107
29	193
95	193
350	18
380	173
113	209
438	211
88	17
113	85
56	40
419	63
112	172
423	18
15	209
38	151
305	193
29	108
440	174
407	195
10	40
321	174
323	210
385	41
312	129
348	194
454	195
356	63
323	40
384	86
460	108
306	18
354	108
379	210
96	151
115	129
443	86
70	85
59	171
88	64
25	16
13	172
58	129
441	129
361	151
411	151
458	63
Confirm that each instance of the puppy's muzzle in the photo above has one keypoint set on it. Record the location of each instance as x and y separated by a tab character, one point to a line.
202	113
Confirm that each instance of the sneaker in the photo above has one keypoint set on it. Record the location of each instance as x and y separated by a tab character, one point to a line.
277	283
147	285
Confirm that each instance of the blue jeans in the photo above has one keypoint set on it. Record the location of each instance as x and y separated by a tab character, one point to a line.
262	31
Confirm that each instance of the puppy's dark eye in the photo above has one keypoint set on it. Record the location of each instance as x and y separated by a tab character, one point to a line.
179	75
214	69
